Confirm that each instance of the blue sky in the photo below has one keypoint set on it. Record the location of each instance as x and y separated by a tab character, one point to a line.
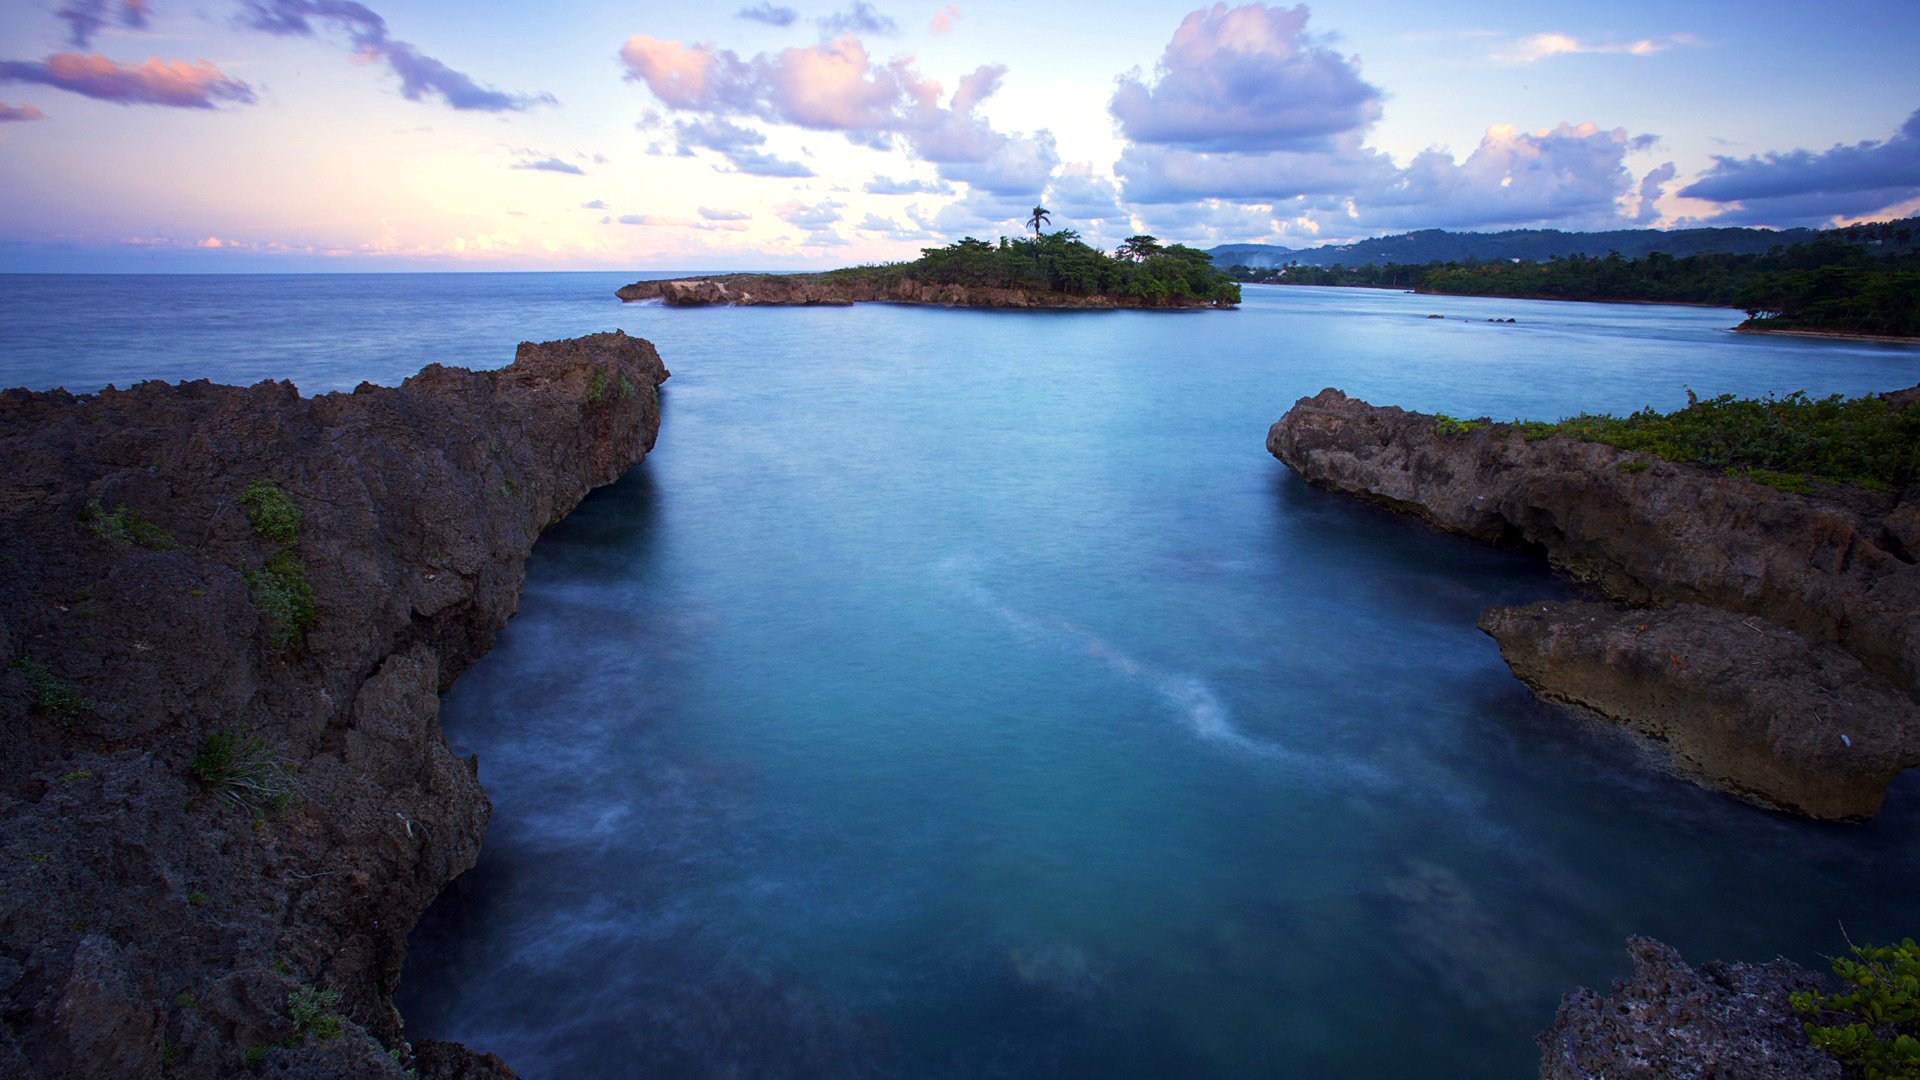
329	134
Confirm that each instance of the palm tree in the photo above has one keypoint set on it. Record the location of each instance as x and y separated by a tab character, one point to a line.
1041	216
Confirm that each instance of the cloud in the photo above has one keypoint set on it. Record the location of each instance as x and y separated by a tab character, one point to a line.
1572	175
14	114
1246	78
1804	187
881	185
1251	122
739	145
173	83
1018	165
836	86
765	12
944	19
811	216
421	76
891	229
861	18
1536	47
1652	186
1155	174
725	215
595	204
532	161
85	18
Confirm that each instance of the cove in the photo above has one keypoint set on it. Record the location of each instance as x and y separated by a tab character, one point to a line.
961	693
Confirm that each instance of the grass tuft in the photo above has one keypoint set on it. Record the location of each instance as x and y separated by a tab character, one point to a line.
245	774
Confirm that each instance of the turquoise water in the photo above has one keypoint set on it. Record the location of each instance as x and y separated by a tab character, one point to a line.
968	694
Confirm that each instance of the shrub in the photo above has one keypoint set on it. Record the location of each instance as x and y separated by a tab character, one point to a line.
281	592
243	772
1785	442
126	527
312	1014
597	386
1448	427
1877	1033
271	512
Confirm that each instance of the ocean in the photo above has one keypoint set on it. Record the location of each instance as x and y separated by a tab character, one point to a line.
969	694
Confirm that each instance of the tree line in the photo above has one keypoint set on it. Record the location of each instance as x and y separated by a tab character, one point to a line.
1141	269
1860	279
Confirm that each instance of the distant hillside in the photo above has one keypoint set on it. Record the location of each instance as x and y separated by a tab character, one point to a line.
1529	245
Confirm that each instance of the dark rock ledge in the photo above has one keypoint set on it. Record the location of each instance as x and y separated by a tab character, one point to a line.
1771	640
1670	1021
807	290
152	923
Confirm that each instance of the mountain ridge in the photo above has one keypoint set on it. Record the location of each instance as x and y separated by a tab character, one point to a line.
1527	245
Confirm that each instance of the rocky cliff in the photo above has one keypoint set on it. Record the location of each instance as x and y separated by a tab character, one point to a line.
1770	639
750	290
226	616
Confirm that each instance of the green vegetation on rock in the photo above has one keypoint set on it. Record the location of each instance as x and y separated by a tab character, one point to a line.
49	693
271	512
1785	442
244	773
279	589
126	527
1874	1028
281	592
312	1012
1142	270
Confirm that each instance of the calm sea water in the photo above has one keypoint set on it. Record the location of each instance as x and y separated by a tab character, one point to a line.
969	694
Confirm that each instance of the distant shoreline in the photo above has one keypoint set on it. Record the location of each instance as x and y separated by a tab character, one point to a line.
1508	296
1843	335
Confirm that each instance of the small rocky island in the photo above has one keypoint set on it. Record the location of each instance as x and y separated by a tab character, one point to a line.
1768	638
226	618
1048	270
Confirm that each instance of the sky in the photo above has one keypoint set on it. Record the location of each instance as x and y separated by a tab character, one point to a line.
303	135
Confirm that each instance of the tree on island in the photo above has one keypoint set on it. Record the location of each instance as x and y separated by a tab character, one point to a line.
1041	216
1138	248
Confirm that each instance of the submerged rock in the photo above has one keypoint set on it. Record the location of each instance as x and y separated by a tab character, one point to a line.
1670	1021
753	290
226	616
1760	710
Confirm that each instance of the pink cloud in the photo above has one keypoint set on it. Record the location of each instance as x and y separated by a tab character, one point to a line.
11	114
944	19
174	83
837	86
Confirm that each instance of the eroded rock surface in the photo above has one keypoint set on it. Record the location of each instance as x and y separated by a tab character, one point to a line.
1670	1021
1836	567
750	290
1742	705
150	920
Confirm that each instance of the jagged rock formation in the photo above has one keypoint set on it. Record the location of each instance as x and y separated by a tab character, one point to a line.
750	290
158	905
1802	698
1670	1021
